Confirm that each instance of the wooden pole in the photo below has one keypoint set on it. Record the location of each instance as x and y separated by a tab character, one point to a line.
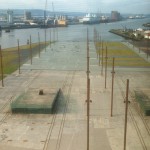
106	68
30	50
126	114
19	60
2	73
112	89
39	44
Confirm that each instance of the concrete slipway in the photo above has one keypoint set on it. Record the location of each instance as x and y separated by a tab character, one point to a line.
64	66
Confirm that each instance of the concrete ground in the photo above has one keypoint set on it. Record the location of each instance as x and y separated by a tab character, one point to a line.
64	66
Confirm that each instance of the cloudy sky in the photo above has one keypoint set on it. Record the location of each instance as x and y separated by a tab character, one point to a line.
104	6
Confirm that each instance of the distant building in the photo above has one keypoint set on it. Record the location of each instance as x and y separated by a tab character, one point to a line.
27	15
115	16
147	34
9	16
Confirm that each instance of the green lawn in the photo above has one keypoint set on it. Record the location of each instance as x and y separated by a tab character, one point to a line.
124	56
10	56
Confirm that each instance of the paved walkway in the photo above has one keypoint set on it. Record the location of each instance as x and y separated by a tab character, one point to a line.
64	66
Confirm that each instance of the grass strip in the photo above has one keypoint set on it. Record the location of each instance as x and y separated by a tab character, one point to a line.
10	56
124	56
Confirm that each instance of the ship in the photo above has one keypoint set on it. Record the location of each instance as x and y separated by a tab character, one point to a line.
62	21
91	18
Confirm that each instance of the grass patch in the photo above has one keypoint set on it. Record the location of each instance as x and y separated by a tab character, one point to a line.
124	56
10	56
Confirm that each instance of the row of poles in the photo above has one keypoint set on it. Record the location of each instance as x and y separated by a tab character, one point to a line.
99	45
30	51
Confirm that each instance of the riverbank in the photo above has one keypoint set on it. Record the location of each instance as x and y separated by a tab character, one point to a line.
11	27
146	25
126	34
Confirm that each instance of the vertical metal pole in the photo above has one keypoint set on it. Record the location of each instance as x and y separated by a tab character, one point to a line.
94	37
88	115
147	48
106	68
99	49
57	34
88	92
2	73
50	38
139	47
112	89
99	55
97	43
19	56
126	114
88	70
45	39
53	34
30	50
102	59
39	44
87	67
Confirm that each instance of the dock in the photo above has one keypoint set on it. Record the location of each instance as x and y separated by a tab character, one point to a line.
63	66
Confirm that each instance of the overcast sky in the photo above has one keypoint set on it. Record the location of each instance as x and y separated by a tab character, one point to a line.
104	6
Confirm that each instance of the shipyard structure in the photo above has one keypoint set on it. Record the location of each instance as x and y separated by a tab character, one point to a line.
27	20
50	20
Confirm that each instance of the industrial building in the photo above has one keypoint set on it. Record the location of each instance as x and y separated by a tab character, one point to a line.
9	16
27	15
115	16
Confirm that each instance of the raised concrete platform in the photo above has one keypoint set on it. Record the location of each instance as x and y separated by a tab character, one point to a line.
36	101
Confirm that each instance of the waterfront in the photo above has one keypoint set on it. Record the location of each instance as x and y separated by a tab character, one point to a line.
70	33
63	65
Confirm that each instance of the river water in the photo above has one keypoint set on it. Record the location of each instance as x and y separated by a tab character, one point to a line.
70	33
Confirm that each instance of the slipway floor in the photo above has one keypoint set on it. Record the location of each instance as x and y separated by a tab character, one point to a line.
64	66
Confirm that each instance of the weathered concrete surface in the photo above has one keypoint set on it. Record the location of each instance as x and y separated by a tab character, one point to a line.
64	66
34	102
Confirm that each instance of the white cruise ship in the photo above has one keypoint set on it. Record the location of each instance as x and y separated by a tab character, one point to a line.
91	18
